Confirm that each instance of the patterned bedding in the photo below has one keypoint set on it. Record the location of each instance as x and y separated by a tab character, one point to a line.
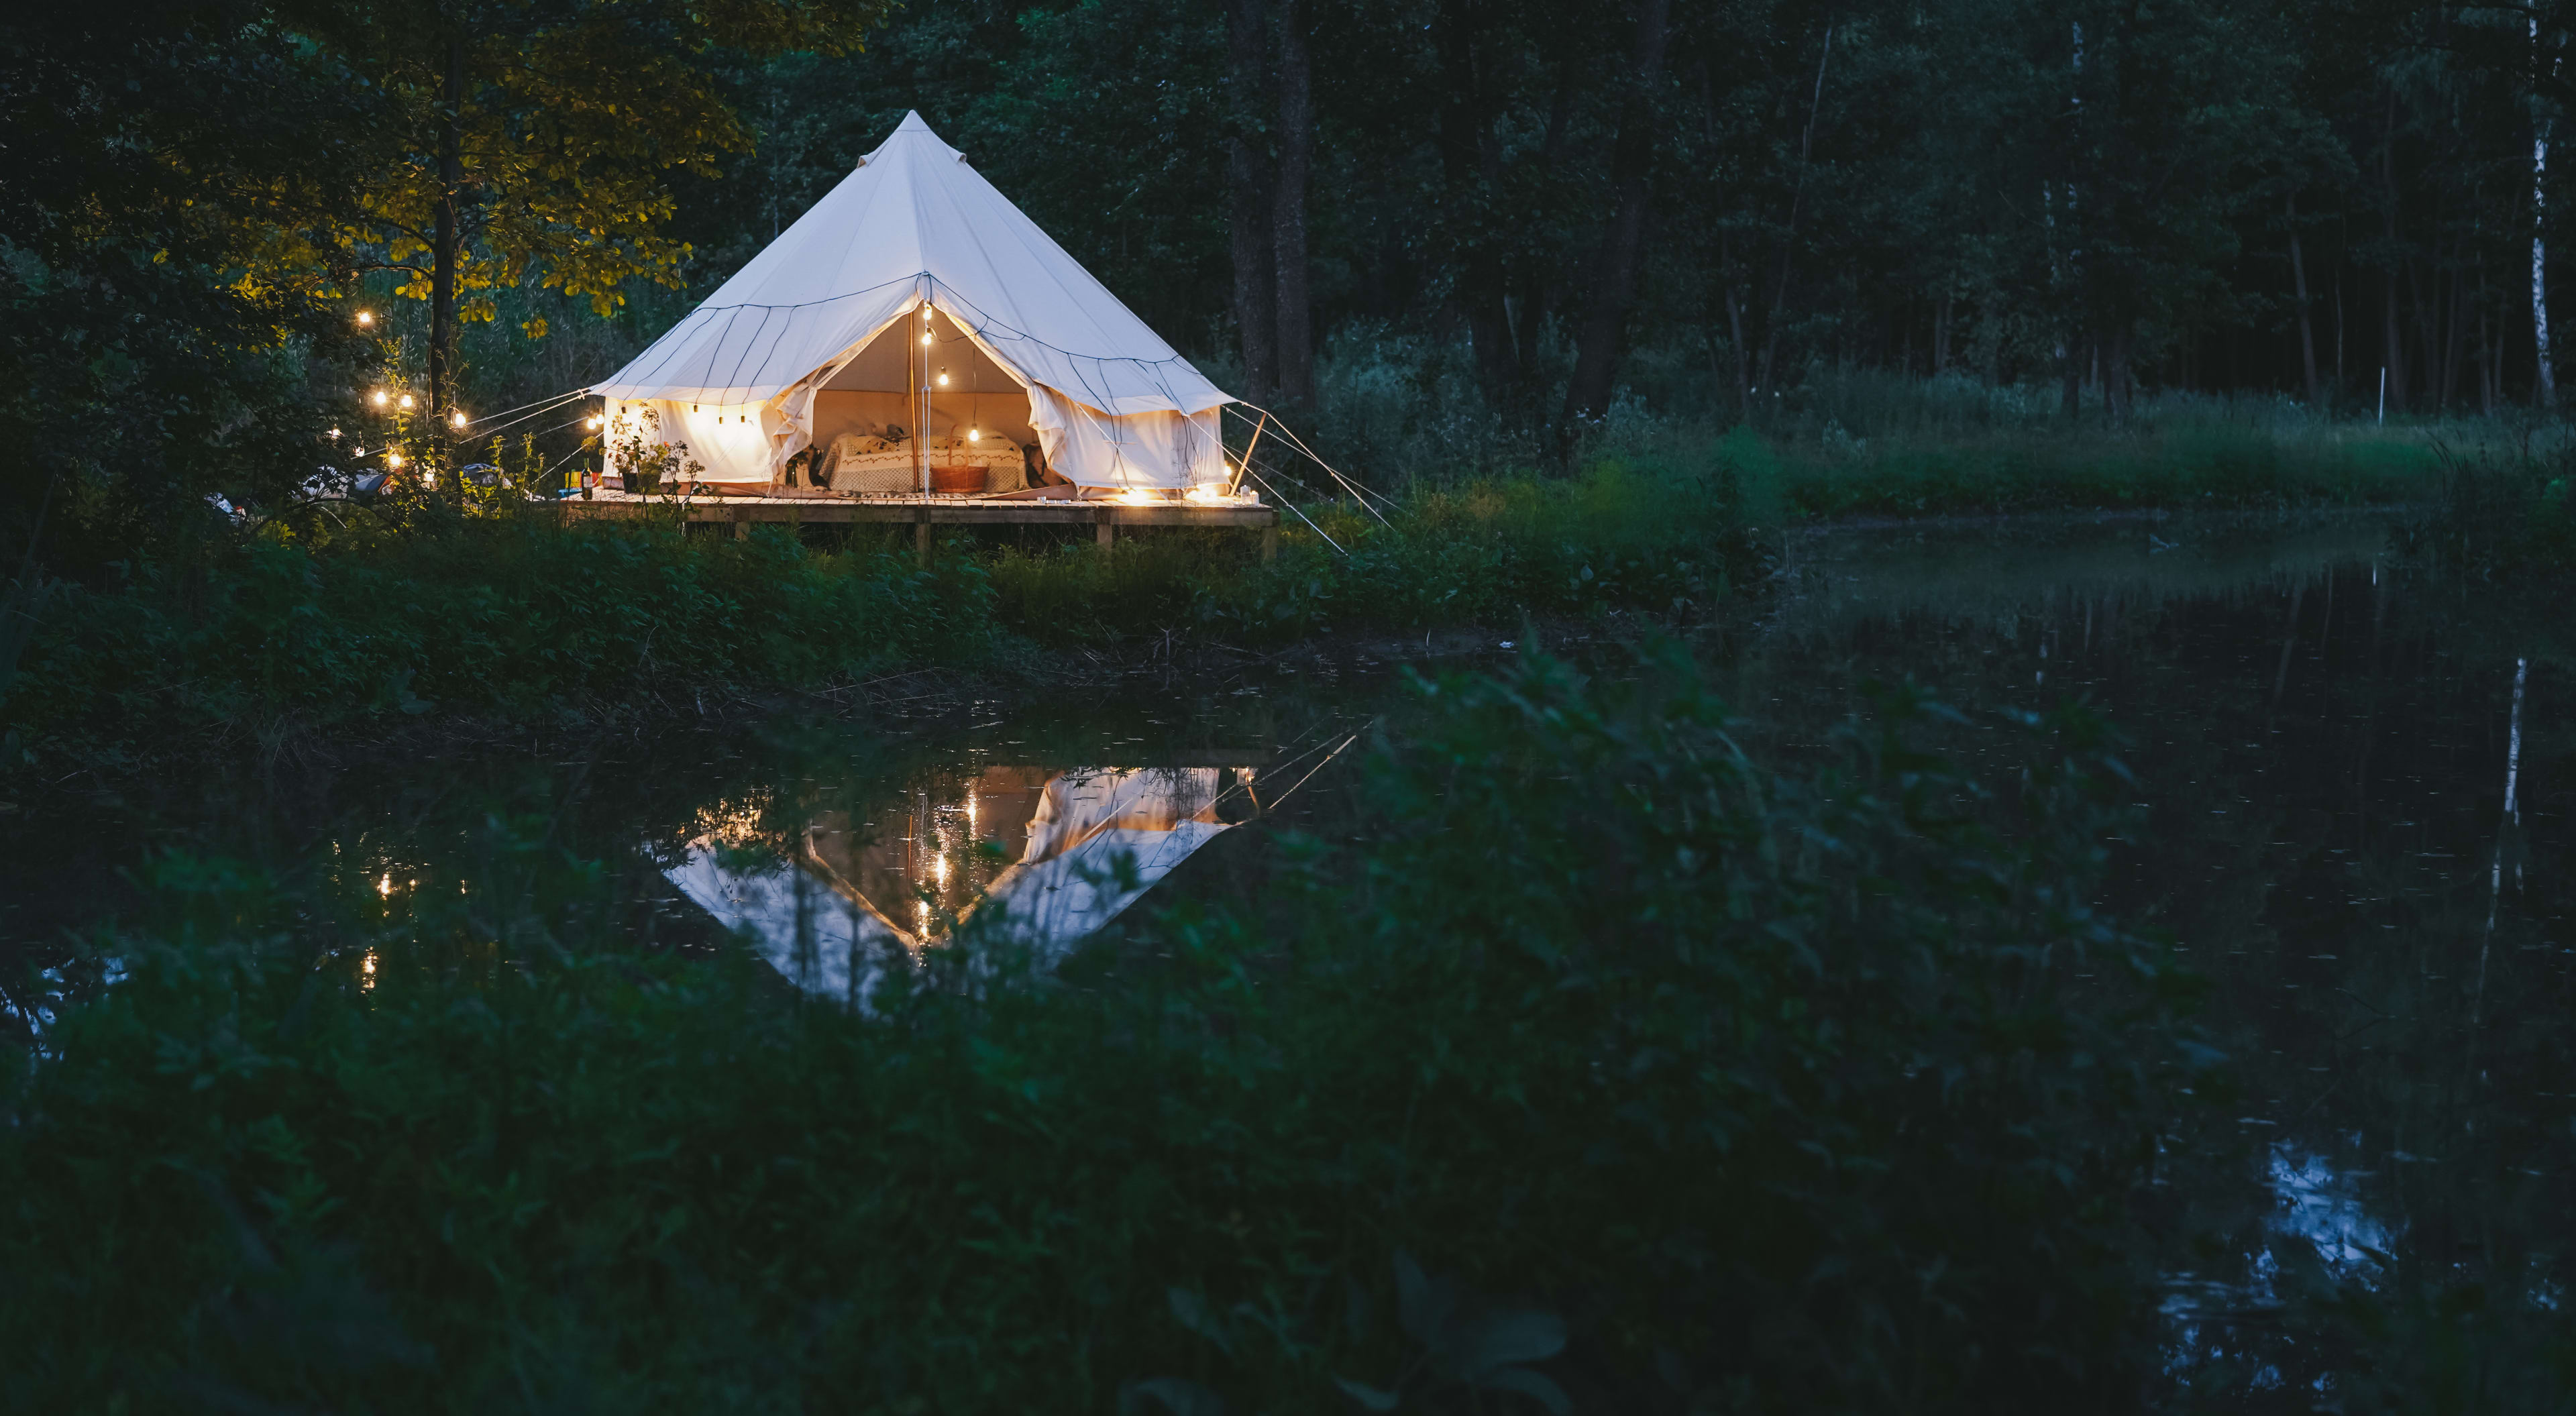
854	468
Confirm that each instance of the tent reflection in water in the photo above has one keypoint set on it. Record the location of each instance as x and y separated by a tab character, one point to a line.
1096	840
915	318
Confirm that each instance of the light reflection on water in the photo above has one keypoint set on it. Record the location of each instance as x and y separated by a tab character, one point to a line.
2323	739
1017	854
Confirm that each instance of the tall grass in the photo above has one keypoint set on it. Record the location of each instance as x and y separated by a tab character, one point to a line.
522	616
517	617
1644	535
1620	1072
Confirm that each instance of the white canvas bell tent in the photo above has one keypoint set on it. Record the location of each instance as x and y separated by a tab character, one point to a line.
821	334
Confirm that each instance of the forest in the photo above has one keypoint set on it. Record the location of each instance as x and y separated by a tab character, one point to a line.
1457	235
1931	776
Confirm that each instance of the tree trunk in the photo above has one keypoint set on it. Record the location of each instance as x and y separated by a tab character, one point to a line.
1789	233
2115	375
2307	324
2545	381
1614	271
2455	348
1743	356
1288	209
1471	168
1536	294
443	261
1248	179
2393	376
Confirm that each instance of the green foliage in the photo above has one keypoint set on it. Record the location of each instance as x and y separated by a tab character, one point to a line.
2503	510
508	617
1660	538
2213	466
1685	1082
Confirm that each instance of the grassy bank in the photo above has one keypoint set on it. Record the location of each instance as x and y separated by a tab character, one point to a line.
330	629
521	616
1620	1073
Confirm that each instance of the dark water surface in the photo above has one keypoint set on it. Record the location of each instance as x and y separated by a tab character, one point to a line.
2354	782
2355	787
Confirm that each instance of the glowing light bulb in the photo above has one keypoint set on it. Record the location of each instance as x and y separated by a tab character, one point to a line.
393	459
974	435
593	423
403	402
366	317
925	335
385	887
457	418
335	434
380	398
943	378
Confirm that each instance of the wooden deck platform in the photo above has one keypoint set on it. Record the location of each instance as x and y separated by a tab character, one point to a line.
924	513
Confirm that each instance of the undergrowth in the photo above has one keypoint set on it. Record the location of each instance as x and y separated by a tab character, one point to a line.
520	615
1612	1072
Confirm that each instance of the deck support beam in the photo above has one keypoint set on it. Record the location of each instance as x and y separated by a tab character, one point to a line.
925	515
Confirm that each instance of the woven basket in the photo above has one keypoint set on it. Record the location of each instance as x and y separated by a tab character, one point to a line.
962	479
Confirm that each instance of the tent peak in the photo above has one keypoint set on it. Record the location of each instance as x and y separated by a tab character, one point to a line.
911	130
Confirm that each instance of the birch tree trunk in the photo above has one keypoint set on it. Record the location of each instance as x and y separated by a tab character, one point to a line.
2545	383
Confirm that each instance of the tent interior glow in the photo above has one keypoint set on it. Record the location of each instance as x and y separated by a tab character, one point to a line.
807	341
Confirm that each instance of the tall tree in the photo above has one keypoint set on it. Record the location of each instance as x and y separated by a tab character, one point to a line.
534	140
1604	330
1249	195
1291	273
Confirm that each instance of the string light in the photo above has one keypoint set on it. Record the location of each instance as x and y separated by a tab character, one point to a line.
393	459
335	435
925	333
457	419
366	317
404	403
380	398
974	435
943	378
592	424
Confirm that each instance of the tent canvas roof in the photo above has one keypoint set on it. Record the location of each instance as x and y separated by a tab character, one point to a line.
914	221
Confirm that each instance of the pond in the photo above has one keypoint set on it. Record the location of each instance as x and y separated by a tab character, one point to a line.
2352	814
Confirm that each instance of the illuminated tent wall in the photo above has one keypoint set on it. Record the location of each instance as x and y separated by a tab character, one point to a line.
820	334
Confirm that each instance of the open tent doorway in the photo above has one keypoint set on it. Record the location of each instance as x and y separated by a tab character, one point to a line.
901	413
814	349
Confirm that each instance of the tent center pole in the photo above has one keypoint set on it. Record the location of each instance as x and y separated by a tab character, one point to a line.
1234	483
